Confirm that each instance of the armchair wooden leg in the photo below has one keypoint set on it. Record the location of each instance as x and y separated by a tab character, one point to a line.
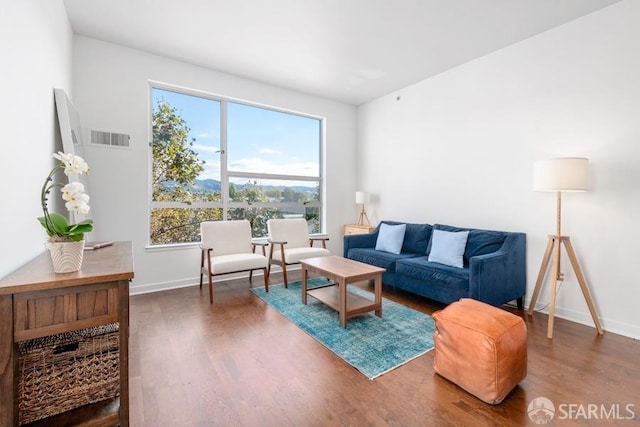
210	274
270	259
201	266
284	274
210	290
266	279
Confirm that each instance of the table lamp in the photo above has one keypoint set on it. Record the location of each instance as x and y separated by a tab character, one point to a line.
361	199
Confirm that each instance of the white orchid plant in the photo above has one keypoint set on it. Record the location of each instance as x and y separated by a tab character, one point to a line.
76	200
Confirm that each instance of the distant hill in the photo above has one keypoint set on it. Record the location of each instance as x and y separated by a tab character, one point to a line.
213	185
206	185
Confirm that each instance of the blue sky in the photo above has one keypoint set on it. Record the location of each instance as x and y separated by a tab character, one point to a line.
259	140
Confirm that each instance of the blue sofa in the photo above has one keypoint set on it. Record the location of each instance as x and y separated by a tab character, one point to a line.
494	269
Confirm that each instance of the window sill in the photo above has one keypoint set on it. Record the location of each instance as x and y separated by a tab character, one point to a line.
172	247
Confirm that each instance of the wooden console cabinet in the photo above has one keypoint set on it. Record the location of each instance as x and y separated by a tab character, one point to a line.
36	302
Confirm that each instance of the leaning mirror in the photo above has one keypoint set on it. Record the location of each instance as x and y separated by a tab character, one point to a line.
71	133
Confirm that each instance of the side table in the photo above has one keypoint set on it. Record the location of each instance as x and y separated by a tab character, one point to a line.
35	302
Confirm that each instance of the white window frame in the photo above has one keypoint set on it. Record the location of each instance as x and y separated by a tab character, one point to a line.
225	204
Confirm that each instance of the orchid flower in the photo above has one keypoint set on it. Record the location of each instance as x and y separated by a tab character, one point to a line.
56	225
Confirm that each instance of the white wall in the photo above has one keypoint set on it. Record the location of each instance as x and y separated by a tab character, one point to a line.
112	94
36	57
461	146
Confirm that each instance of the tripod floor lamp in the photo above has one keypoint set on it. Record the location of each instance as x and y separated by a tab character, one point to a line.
560	175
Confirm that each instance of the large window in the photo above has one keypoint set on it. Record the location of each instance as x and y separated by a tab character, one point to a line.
216	159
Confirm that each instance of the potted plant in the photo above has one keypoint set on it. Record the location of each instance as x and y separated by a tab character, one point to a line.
66	241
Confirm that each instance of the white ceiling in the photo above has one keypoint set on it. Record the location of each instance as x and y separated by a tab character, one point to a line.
348	50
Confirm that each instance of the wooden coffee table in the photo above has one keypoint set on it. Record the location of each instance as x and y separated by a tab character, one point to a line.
343	271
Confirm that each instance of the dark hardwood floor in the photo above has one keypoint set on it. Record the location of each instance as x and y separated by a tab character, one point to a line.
239	362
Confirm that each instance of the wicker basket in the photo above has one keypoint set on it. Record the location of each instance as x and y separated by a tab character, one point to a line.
63	372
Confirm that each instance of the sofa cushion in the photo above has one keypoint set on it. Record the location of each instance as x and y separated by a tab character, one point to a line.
433	273
381	259
479	242
448	247
390	238
416	237
482	242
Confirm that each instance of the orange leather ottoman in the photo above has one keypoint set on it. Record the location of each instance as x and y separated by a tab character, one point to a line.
481	348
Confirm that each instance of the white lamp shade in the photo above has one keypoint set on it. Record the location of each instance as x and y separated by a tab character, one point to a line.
562	174
361	197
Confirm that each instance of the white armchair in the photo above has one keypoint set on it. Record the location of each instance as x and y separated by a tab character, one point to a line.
227	248
290	242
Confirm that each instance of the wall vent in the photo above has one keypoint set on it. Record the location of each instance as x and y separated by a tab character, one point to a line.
111	139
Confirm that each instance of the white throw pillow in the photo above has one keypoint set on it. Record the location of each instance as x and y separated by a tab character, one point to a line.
390	238
447	247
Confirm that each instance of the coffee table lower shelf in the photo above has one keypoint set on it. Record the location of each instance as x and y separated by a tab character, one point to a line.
342	272
330	296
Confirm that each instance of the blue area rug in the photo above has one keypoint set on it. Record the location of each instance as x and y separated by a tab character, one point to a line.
371	344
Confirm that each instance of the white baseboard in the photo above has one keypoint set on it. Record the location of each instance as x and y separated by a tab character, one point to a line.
184	283
163	286
584	318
